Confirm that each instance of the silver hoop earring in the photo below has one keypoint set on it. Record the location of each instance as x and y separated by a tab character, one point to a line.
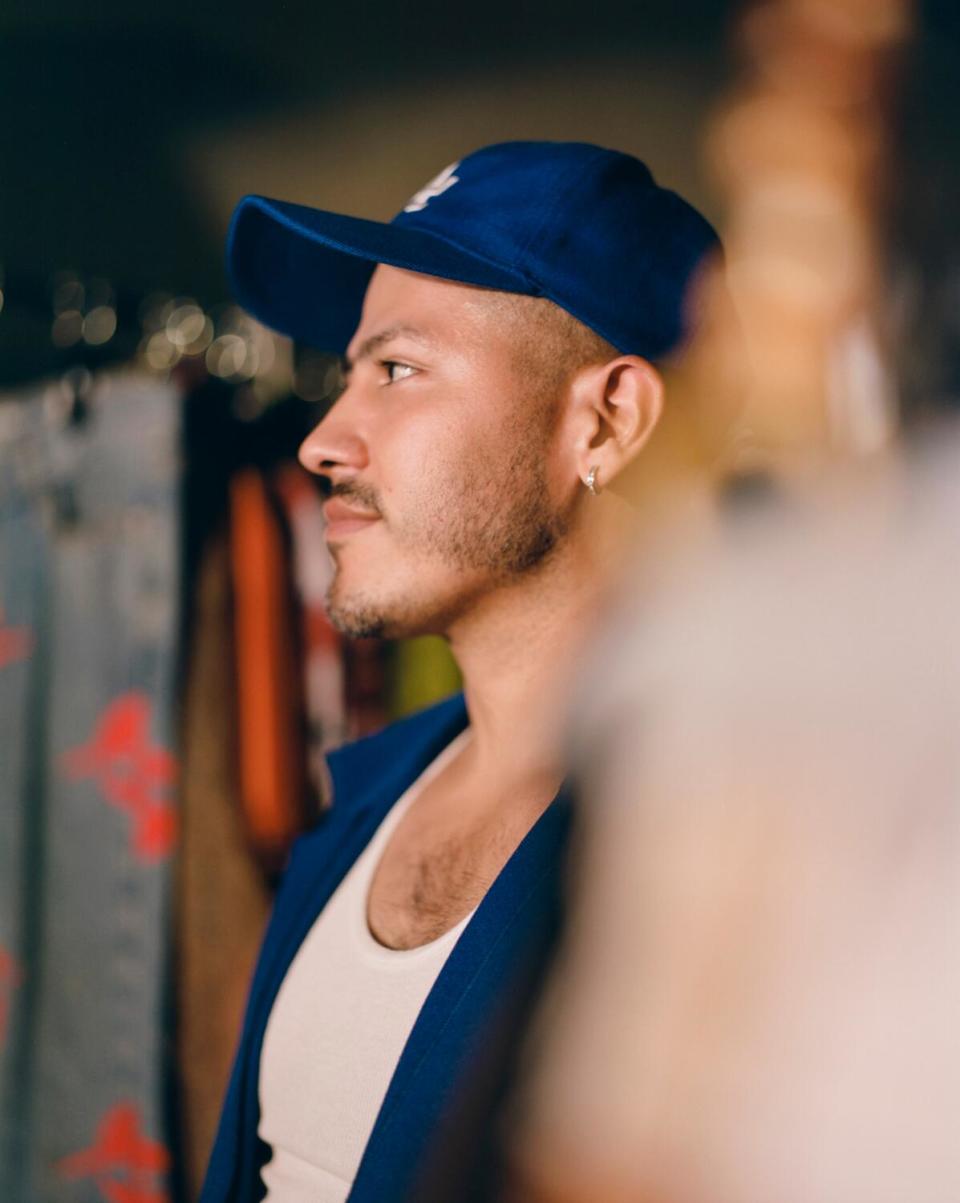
591	481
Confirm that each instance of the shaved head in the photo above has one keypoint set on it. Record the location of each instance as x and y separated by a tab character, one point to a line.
550	343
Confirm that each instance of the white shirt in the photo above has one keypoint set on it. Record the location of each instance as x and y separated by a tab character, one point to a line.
338	1026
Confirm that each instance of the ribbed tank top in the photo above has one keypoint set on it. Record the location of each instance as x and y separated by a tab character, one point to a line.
338	1026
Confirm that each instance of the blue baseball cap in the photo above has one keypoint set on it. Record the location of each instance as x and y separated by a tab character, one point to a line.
586	227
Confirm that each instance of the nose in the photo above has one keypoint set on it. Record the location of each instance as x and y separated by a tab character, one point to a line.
335	448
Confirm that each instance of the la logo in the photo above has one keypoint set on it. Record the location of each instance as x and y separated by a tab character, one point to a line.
437	186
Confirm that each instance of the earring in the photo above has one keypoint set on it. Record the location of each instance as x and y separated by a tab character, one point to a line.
591	481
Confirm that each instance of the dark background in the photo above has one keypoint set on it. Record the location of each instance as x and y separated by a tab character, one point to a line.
129	131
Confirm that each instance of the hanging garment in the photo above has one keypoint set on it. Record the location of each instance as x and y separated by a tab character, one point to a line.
366	679
271	721
323	656
88	594
490	973
222	895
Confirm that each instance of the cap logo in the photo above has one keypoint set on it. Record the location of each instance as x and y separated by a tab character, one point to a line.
437	186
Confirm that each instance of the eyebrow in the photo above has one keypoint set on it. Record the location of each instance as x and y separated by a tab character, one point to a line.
369	345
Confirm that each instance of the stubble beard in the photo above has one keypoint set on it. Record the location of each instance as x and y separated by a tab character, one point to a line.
495	526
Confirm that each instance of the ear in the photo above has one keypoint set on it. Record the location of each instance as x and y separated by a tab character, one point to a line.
616	407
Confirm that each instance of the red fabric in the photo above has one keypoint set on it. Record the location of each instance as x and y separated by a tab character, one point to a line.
125	1164
11	976
133	774
16	643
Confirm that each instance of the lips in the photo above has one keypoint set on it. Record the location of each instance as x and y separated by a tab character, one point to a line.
343	519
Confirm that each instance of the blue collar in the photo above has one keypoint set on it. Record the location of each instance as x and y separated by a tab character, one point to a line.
399	752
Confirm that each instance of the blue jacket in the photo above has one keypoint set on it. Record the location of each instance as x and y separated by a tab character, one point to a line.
472	1016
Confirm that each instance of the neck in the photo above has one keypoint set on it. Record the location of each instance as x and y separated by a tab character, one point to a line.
518	650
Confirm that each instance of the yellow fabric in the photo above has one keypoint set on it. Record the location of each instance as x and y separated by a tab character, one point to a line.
424	671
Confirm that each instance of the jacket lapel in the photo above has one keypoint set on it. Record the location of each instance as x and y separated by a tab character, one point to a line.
504	938
368	777
496	953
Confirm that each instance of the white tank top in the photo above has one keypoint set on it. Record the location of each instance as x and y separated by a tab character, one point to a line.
338	1026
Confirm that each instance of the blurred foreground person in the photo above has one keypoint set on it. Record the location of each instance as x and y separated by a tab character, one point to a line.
499	335
759	996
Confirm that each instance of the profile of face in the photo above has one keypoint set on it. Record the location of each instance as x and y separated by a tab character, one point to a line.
447	481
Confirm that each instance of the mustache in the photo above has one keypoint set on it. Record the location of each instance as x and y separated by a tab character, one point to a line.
365	496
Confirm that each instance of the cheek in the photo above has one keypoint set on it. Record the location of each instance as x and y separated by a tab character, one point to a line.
473	473
436	460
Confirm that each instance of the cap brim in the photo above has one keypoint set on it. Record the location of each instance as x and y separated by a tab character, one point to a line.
304	272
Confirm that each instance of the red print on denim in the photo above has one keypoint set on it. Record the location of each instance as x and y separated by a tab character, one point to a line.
11	976
124	1163
16	643
133	774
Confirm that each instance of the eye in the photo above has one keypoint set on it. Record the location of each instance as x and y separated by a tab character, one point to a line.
396	370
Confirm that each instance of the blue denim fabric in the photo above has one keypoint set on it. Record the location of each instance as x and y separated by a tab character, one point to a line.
89	566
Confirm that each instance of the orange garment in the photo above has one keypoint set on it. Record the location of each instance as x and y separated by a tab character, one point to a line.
270	706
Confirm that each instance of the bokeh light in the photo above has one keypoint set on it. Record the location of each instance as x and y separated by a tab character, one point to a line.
99	325
67	328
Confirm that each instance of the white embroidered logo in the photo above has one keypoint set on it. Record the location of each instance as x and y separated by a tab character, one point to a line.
437	186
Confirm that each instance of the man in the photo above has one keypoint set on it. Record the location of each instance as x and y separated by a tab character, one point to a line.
500	335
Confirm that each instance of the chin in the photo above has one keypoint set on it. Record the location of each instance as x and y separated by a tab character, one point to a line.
357	625
356	617
360	615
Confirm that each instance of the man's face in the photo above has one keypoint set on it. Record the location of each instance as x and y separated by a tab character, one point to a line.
443	466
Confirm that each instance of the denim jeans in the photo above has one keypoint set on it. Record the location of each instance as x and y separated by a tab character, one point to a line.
88	599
